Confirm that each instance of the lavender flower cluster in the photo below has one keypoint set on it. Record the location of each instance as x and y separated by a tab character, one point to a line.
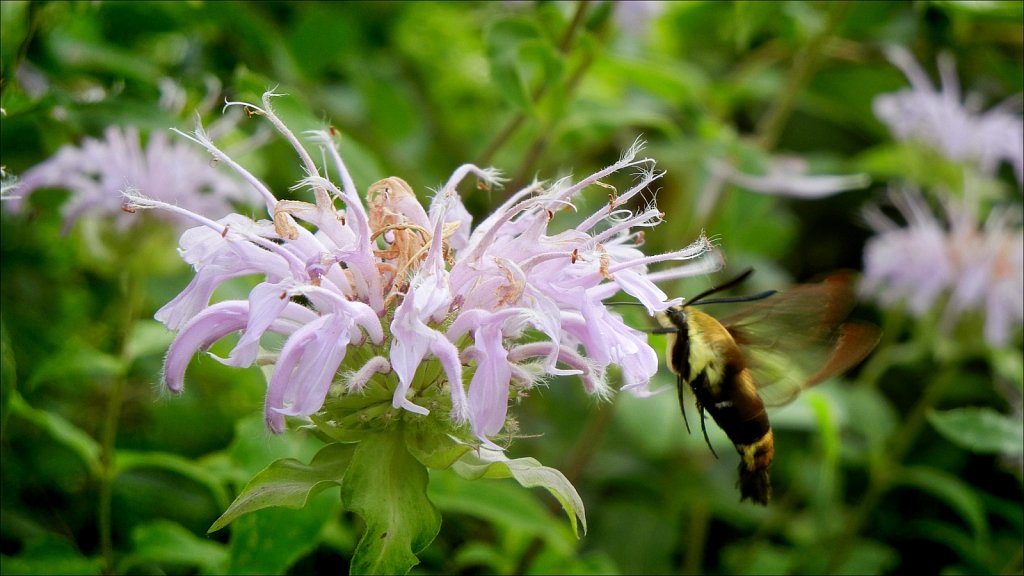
419	297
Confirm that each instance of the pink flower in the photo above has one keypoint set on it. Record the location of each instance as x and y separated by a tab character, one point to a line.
421	299
787	176
958	131
96	172
952	258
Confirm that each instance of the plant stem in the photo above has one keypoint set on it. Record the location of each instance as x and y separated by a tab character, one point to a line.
130	297
804	65
540	144
696	538
589	441
513	125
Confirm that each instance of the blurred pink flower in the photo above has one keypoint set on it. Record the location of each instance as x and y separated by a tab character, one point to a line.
787	176
97	171
938	118
931	258
421	298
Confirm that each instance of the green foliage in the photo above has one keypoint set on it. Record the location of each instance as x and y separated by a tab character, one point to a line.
980	430
289	483
50	554
529	473
268	541
168	543
387	487
104	472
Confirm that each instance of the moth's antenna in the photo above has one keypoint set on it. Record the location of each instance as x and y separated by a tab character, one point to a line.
738	279
731	299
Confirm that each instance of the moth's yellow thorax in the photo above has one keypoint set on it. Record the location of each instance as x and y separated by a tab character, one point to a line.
709	343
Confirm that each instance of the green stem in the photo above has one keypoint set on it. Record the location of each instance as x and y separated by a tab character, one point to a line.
513	125
541	142
696	537
804	66
588	441
130	297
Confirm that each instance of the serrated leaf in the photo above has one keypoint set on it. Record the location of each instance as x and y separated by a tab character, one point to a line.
290	483
981	430
167	542
387	487
485	463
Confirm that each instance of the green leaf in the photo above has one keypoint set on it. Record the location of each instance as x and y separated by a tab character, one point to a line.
128	459
165	542
387	487
502	504
269	541
77	361
289	483
869	557
436	451
674	81
951	490
753	18
72	44
484	554
485	463
981	430
62	431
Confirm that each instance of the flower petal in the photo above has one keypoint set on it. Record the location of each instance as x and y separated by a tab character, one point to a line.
304	370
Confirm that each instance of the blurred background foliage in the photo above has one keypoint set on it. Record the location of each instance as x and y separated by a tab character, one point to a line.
102	472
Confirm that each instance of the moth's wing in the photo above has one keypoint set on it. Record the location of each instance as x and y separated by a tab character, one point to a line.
798	338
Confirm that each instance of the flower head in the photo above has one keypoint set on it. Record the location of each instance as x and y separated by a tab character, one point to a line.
97	170
415	300
975	268
939	119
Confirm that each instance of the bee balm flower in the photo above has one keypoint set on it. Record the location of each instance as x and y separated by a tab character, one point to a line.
97	170
931	259
957	130
419	300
